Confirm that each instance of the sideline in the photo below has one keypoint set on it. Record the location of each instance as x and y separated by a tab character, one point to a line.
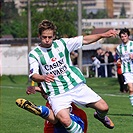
114	95
11	87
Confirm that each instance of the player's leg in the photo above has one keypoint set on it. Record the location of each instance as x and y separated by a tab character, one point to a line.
59	128
81	114
129	80
47	114
78	120
130	87
42	111
62	111
89	98
101	108
70	125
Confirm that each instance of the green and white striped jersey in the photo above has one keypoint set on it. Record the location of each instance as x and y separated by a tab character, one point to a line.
56	60
123	51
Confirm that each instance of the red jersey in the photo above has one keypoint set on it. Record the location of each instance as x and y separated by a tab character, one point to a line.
119	71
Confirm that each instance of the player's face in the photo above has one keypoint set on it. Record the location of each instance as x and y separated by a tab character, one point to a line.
124	38
47	37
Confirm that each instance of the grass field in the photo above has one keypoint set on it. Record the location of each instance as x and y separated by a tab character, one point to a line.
16	120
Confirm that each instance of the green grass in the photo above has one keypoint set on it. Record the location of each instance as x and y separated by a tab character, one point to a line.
16	120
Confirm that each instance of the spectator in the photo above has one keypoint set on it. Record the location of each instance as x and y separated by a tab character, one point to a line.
100	57
116	56
109	58
96	63
74	57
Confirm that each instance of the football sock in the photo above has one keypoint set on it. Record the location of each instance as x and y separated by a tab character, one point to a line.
131	99
74	128
77	120
101	114
44	111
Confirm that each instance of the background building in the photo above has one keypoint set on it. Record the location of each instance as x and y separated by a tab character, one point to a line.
113	7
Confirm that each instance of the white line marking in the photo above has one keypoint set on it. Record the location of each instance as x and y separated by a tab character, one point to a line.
113	95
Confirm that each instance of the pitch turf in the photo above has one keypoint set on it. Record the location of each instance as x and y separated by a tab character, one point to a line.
16	120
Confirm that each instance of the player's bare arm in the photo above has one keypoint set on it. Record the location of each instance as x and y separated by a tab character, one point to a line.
32	89
93	38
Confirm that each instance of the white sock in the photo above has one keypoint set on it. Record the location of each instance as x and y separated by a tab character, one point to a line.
74	128
131	99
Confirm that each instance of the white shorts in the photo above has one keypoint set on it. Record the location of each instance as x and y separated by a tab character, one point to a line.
128	77
80	95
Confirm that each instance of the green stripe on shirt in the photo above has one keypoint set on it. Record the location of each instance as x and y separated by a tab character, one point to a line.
129	67
131	50
43	62
31	55
66	52
50	53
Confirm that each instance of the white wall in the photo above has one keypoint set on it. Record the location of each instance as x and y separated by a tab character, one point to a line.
14	60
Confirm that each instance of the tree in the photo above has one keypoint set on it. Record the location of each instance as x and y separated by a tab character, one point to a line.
101	14
61	12
123	12
98	15
64	18
11	22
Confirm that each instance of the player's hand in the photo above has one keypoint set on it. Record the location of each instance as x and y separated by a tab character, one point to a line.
110	33
131	56
118	62
49	78
30	90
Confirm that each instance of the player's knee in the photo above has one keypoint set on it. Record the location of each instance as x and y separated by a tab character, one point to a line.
104	106
64	117
66	121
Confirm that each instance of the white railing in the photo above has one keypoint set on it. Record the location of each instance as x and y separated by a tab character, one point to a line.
87	69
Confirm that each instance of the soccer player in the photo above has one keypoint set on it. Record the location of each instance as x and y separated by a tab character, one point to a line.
125	52
63	83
